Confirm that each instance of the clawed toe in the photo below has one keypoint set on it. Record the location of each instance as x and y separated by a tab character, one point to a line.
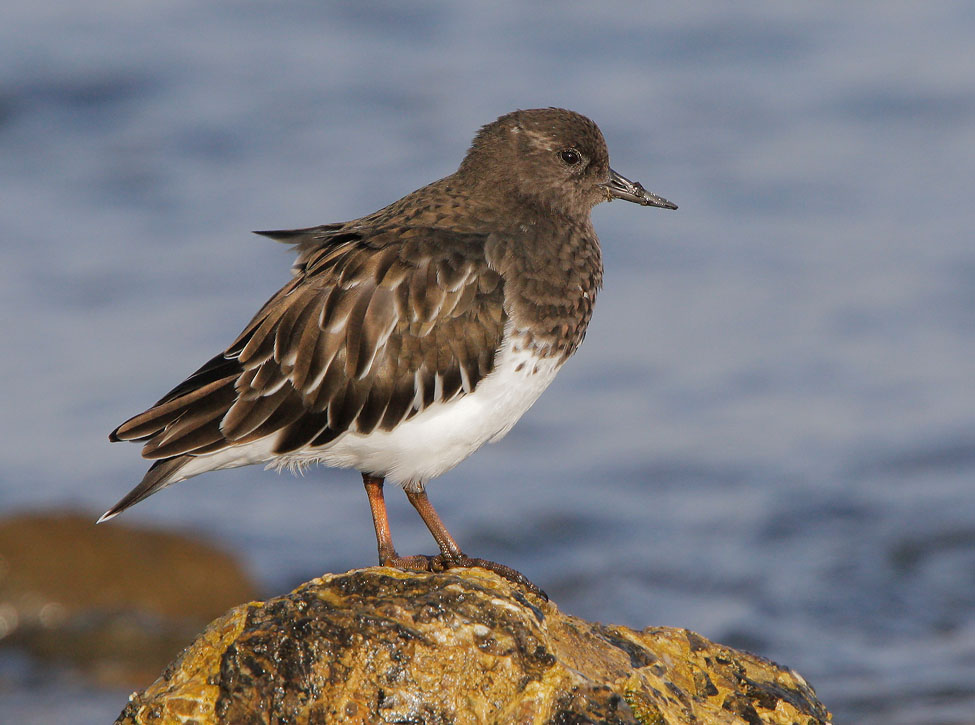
450	557
512	575
419	562
443	562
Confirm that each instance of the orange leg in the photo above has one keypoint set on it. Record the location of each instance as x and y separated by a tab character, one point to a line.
450	553
384	538
448	546
374	490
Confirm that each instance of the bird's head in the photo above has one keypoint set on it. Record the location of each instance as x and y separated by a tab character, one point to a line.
550	157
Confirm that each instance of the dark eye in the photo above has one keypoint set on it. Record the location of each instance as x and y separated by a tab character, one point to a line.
570	157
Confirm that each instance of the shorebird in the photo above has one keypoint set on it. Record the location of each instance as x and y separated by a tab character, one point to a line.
410	337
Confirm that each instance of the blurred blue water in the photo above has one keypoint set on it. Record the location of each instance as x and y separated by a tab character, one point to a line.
769	435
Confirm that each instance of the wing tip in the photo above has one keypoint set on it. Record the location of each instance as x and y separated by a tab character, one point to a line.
108	515
288	236
160	474
275	234
303	235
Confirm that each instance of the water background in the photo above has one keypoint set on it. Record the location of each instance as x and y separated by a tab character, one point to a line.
769	434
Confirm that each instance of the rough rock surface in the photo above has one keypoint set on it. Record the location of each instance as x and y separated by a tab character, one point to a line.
464	646
116	601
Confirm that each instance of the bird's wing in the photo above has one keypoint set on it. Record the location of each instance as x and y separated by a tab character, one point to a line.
376	326
310	241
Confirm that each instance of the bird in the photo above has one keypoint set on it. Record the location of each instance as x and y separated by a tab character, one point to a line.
407	339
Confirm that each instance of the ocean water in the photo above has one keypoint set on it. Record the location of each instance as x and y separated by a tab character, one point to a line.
769	434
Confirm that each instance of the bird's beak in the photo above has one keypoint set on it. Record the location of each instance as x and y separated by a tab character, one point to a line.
619	187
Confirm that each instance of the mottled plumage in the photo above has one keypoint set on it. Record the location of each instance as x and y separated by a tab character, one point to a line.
480	284
377	325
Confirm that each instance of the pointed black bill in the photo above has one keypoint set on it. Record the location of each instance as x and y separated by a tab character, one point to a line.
619	187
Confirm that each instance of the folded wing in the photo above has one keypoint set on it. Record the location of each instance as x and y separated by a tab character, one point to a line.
376	326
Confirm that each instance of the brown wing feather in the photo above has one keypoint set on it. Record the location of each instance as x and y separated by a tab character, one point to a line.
371	331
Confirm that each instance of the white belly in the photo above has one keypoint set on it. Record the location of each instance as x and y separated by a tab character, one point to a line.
444	434
428	444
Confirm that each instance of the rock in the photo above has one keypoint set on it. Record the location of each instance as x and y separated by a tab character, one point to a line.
117	602
463	646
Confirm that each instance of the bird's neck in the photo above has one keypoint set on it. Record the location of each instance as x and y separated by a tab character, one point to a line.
552	270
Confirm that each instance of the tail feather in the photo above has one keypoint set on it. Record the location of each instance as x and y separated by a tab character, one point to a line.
159	475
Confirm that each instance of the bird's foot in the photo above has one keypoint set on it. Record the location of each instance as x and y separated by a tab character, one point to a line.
418	562
444	562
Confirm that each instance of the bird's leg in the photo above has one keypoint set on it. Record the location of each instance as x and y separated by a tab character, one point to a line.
450	553
384	538
448	547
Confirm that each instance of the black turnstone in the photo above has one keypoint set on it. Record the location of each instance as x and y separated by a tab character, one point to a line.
409	338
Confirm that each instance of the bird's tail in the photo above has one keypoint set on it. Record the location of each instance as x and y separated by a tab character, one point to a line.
160	474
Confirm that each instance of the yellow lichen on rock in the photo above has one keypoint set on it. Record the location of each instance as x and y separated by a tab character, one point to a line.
464	646
187	691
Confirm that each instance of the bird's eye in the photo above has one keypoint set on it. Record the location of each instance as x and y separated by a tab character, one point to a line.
570	157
